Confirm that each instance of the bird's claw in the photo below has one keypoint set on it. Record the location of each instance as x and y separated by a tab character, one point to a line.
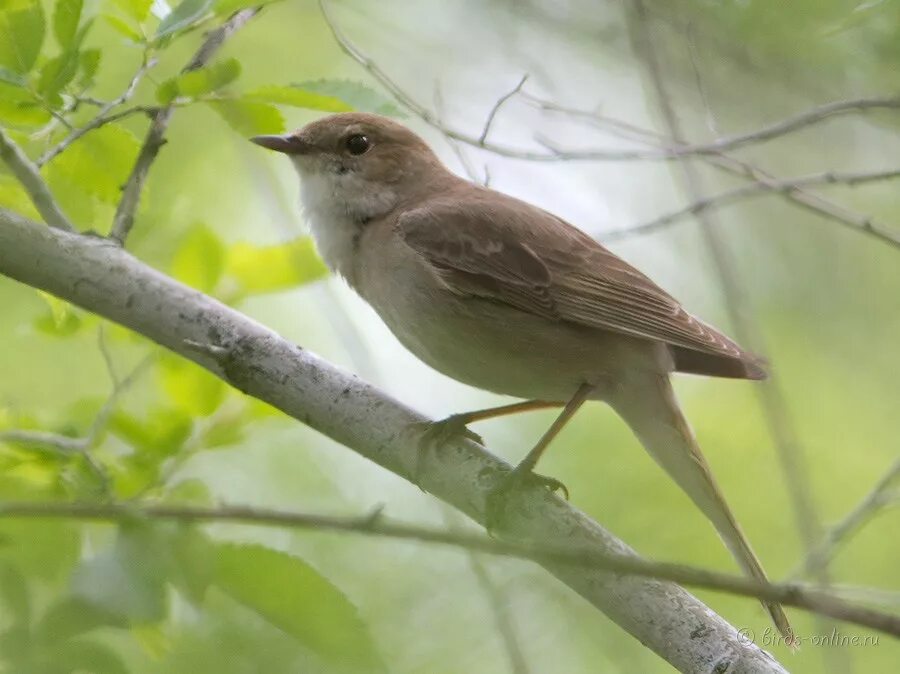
435	434
518	478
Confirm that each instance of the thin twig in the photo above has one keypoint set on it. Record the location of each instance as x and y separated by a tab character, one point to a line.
101	118
779	186
499	104
814	203
878	497
28	175
789	594
123	220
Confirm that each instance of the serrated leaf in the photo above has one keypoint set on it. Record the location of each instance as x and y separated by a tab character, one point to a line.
66	17
123	28
261	269
55	74
357	96
21	35
183	16
128	579
293	596
297	98
190	387
200	259
198	82
99	163
249	119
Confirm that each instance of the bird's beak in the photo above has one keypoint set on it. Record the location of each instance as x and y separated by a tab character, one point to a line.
288	144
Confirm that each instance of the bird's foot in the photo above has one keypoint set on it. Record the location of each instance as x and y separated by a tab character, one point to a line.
432	435
520	478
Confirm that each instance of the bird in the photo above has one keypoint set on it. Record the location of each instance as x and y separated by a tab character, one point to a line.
507	297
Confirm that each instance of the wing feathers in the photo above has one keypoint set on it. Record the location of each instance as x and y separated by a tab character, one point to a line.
488	245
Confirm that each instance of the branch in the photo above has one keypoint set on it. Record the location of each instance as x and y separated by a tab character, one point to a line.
374	524
800	197
38	192
103	116
807	200
123	220
499	104
107	280
879	496
761	187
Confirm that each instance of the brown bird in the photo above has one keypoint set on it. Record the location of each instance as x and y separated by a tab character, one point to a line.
506	297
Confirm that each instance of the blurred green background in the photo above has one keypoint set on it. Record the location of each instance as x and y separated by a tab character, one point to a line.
222	215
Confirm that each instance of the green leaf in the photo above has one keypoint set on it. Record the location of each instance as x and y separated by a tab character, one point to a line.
262	269
193	562
123	28
88	64
99	163
10	77
66	17
70	617
19	108
250	119
190	387
84	656
187	13
198	82
138	10
128	579
200	259
55	74
21	35
14	197
225	8
293	596
161	434
297	98
356	95
61	318
15	599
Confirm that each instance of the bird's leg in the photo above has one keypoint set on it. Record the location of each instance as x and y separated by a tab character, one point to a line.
437	433
523	473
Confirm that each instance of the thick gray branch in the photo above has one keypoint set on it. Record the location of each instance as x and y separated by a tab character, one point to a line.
99	276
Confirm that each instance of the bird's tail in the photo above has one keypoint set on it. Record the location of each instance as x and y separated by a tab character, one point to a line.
653	414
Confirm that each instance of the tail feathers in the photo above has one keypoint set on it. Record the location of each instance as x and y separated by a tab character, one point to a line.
653	414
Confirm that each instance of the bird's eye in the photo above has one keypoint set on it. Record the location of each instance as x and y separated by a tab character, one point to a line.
357	144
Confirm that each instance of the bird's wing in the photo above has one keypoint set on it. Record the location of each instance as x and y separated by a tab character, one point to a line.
507	251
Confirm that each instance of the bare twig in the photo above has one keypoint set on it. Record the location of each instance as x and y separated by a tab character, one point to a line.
123	220
790	594
801	197
27	174
102	117
762	187
499	104
878	497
